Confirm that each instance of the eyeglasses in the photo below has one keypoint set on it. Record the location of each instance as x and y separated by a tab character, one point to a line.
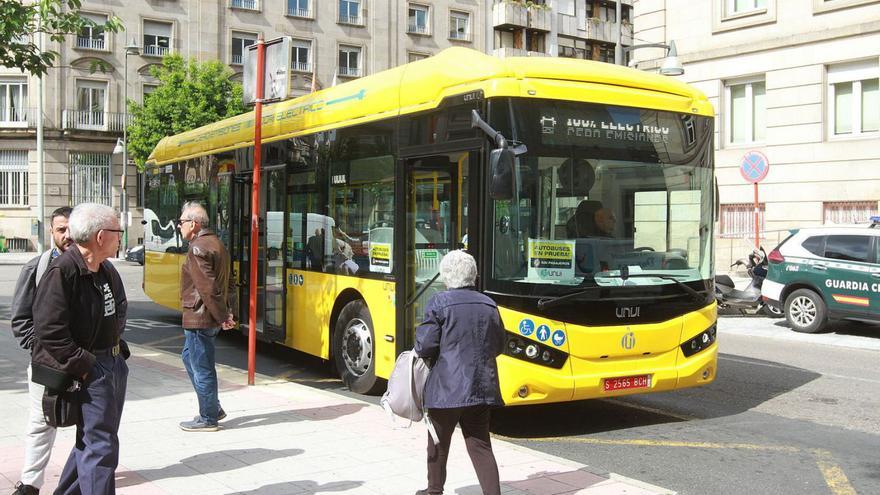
118	231
181	221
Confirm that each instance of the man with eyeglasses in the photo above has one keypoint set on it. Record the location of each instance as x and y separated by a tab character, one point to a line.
204	290
39	436
78	329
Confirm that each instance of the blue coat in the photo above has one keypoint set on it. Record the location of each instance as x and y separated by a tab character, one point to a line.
462	331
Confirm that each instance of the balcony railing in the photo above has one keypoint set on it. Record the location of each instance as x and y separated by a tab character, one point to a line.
301	66
237	59
459	35
509	15
539	19
350	19
90	43
417	29
156	51
17	117
516	52
295	12
88	120
245	4
601	30
350	71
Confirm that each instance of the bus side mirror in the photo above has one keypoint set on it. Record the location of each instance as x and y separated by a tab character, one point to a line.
501	163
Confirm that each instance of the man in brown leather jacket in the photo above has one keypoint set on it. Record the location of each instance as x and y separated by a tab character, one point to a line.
204	290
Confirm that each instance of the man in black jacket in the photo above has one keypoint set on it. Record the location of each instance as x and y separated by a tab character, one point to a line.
78	329
39	436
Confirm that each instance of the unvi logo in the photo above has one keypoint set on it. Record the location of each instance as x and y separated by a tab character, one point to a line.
628	341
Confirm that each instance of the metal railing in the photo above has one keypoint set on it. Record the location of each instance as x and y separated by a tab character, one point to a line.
417	28
350	19
88	120
90	43
350	71
237	59
459	35
297	12
13	178
245	4
301	66
90	178
155	50
17	117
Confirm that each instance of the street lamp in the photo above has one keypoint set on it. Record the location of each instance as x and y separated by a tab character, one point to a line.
670	66
130	49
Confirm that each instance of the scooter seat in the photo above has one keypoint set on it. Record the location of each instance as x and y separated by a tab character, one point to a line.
724	280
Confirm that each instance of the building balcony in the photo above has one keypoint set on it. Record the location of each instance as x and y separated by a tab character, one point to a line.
516	52
295	12
417	29
459	35
156	51
300	66
90	43
355	20
237	59
539	19
18	118
244	4
509	15
599	30
350	71
568	25
87	120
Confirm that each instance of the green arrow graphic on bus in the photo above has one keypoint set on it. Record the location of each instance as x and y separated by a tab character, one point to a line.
357	96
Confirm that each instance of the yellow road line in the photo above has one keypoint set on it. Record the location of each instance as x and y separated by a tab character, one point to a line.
833	474
162	341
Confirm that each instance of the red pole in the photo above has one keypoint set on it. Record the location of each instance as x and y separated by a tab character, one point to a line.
255	210
757	222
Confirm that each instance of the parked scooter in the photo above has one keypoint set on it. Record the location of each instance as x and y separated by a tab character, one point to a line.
748	300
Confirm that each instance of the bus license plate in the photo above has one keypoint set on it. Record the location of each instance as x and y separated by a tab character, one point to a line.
627	382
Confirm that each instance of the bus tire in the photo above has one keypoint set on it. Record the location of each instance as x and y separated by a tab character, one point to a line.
354	348
806	311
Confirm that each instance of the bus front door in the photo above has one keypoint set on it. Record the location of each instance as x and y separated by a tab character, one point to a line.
436	223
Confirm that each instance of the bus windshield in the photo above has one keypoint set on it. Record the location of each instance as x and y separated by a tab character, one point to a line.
603	193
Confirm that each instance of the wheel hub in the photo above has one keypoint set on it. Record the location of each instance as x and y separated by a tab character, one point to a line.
803	311
357	347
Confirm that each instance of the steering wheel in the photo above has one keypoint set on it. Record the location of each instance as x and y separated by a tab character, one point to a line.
644	248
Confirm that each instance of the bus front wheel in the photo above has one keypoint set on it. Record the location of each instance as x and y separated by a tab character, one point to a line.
354	348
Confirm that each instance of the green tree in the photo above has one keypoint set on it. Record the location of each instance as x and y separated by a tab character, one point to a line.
190	94
19	21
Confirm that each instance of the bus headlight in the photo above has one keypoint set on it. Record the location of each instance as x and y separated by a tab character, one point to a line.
699	342
533	352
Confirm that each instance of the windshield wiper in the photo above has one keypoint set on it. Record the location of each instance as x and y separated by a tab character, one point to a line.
546	302
624	275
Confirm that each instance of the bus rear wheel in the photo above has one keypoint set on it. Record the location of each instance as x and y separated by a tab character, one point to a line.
354	348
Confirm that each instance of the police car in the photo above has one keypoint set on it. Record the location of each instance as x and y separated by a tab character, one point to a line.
817	274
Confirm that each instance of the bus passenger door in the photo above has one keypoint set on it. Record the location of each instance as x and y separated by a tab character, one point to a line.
275	199
241	251
436	222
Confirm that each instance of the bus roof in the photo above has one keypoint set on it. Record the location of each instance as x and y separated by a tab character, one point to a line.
423	84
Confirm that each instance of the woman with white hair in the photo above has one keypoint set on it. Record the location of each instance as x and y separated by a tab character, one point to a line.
463	333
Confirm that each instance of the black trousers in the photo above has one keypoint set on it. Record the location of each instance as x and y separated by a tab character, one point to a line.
474	421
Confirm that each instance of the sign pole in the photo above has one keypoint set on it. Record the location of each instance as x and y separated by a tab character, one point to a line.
255	210
757	223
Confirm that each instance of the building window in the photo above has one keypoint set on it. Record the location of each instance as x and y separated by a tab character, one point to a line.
91	100
301	52
13	178
350	12
849	212
92	37
418	19
349	61
90	178
746	110
414	56
240	41
244	4
157	38
854	99
738	220
148	90
13	100
735	7
299	8
459	26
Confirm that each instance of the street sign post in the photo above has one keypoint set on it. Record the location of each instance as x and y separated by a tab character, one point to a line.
276	73
754	167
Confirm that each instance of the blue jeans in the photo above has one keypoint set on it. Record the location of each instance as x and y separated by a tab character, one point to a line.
198	358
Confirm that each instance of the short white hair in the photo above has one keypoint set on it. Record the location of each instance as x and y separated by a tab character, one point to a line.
87	219
458	269
195	211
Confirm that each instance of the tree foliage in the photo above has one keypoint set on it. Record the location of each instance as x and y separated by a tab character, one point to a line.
20	22
190	94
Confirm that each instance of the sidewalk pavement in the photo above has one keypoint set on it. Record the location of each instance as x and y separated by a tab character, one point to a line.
279	438
16	258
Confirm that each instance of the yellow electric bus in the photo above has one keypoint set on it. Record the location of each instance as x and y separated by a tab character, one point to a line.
584	190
